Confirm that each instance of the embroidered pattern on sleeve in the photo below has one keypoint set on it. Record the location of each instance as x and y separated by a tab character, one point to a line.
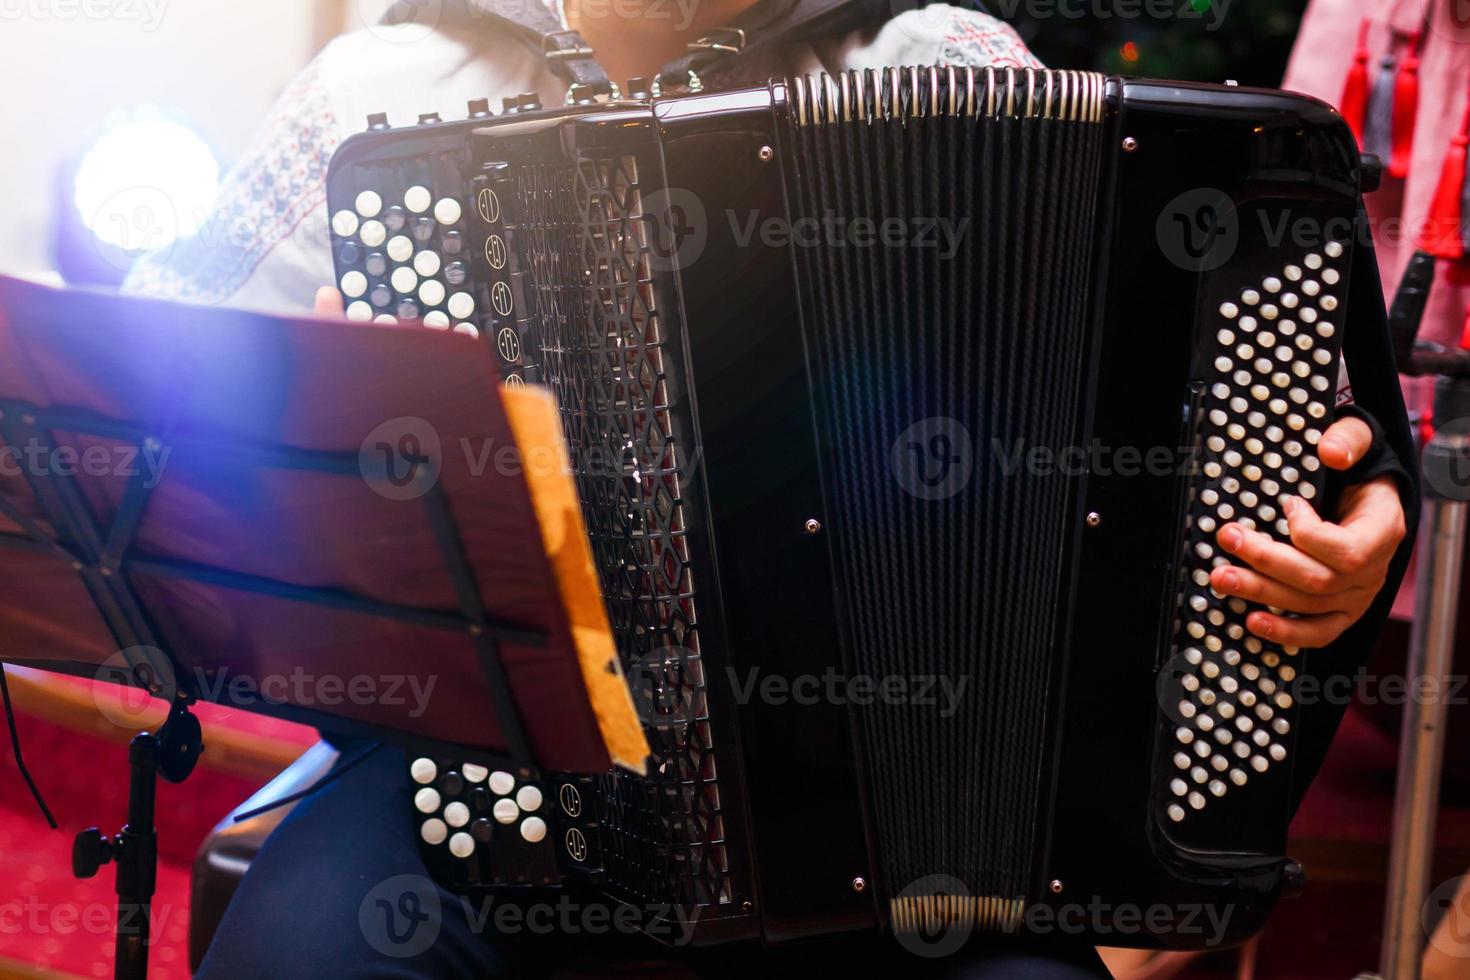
972	38
280	181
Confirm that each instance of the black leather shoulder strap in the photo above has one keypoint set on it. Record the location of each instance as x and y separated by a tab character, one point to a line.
765	23
571	58
567	53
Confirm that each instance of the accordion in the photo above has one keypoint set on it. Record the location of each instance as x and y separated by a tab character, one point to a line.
904	408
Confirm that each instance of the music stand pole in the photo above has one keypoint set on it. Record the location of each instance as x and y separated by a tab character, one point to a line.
1441	553
171	753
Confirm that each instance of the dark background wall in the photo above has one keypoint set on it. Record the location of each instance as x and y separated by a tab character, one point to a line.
1195	40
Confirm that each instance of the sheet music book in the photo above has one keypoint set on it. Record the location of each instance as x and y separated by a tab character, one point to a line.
293	516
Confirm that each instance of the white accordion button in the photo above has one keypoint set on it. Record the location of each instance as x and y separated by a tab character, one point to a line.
433	831
372	233
461	305
529	799
369	204
1229	310
1176	812
426	800
533	829
461	845
474	773
447	211
423	770
501	783
404	279
354	284
456	814
426	263
1333	249
417	199
436	319
359	311
400	247
467	329
432	292
344	223
506	811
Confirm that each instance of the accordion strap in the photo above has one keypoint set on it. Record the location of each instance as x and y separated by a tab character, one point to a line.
774	20
571	58
566	52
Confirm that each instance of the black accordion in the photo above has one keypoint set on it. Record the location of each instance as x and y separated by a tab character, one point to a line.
905	406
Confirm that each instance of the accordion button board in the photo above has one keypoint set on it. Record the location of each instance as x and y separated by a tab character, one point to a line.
400	257
482	827
1273	392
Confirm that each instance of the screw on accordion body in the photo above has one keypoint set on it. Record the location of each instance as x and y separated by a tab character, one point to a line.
906	381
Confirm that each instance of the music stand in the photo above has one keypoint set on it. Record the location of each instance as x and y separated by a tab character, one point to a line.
312	510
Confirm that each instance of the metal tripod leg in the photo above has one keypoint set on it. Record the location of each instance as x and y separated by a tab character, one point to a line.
1431	654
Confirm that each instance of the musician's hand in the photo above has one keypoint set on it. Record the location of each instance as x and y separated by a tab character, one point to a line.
328	302
1330	573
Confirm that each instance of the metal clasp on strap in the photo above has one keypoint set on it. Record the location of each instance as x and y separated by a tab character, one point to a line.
612	92
565	45
730	40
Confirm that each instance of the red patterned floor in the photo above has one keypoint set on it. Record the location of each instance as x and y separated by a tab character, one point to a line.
49	919
52	922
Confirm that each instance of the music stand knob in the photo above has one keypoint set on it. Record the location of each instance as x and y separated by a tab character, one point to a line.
89	852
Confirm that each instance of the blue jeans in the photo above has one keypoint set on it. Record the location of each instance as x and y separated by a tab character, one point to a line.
339	890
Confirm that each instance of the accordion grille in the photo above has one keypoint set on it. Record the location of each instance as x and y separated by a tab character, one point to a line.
599	340
946	347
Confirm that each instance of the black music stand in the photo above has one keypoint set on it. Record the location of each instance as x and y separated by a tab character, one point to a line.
61	521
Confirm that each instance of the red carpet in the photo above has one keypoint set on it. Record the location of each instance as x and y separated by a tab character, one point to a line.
54	922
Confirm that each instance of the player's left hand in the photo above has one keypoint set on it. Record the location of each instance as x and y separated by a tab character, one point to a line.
1331	572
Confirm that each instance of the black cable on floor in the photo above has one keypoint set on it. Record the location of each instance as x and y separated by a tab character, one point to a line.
20	763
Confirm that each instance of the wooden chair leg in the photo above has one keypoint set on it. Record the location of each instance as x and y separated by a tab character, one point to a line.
1245	965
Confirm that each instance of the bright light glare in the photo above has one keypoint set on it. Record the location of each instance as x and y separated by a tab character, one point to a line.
146	182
